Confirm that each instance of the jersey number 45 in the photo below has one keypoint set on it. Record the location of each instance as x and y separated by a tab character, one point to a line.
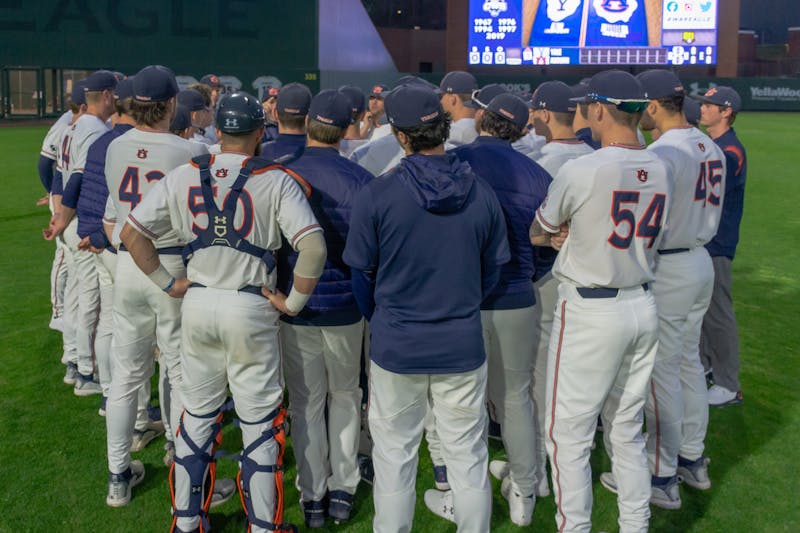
647	227
708	180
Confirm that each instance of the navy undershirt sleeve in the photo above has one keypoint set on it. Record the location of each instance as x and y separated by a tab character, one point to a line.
72	191
58	184
46	172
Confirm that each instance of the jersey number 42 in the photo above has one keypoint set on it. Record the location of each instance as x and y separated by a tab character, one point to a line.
129	187
647	227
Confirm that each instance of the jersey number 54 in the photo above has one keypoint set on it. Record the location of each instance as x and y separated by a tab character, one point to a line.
647	227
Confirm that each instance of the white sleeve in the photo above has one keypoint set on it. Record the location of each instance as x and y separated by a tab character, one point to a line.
567	192
151	217
78	156
110	215
294	215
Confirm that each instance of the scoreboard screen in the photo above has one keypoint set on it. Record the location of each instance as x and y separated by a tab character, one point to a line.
593	32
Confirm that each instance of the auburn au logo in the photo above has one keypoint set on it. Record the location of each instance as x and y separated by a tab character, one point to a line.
142	153
641	175
221	173
702	147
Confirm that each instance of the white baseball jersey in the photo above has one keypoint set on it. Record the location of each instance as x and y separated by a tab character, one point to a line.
615	200
75	143
698	168
272	204
348	146
530	144
557	152
379	155
52	141
135	162
462	131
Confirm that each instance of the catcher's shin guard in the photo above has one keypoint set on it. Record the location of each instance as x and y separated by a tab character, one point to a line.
192	474
261	501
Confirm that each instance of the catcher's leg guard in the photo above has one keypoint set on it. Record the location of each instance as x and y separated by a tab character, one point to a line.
192	474
264	442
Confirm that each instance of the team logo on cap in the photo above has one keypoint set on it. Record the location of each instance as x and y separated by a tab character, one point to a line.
711	92
641	175
429	117
273	91
213	79
231	123
377	89
221	173
509	115
141	153
322	119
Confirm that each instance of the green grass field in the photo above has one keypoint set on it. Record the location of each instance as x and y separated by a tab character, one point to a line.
52	444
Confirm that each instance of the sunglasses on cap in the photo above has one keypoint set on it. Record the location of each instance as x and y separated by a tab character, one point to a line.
628	106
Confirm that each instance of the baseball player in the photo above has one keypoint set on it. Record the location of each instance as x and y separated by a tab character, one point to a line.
135	162
457	88
580	124
233	209
552	119
719	344
99	93
268	99
677	407
352	137
375	124
508	311
424	311
322	345
290	112
604	338
181	124
212	81
201	116
58	272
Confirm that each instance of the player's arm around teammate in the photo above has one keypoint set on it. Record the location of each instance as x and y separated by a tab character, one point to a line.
230	307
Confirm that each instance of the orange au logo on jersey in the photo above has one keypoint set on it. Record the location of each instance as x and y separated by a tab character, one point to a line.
702	147
142	153
641	175
221	173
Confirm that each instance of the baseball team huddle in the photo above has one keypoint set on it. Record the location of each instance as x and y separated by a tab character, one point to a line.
449	261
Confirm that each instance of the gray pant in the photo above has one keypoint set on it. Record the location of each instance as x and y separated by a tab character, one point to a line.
719	343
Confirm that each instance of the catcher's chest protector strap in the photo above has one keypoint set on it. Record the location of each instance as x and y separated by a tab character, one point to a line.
201	468
220	230
250	467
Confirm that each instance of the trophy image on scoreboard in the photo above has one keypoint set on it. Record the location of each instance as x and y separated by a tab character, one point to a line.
592	22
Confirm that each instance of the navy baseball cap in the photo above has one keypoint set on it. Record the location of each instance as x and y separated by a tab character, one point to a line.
724	96
294	99
510	107
481	98
239	112
182	119
412	105
356	96
458	82
691	108
124	89
270	91
211	80
553	96
579	90
101	80
78	95
332	108
659	83
379	91
154	83
615	87
192	99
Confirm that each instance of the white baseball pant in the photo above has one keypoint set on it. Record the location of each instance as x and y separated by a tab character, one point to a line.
230	339
398	403
601	356
142	313
82	264
677	395
69	312
105	266
509	340
322	366
58	282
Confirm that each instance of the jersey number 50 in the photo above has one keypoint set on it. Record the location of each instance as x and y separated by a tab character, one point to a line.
709	178
648	227
129	187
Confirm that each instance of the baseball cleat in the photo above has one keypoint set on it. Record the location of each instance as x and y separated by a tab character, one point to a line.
223	490
366	469
86	387
146	436
542	488
71	375
340	505
608	481
314	514
440	477
719	396
520	508
440	503
694	473
499	469
119	485
169	453
665	494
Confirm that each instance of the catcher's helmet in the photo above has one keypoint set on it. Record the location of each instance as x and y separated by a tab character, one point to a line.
239	112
